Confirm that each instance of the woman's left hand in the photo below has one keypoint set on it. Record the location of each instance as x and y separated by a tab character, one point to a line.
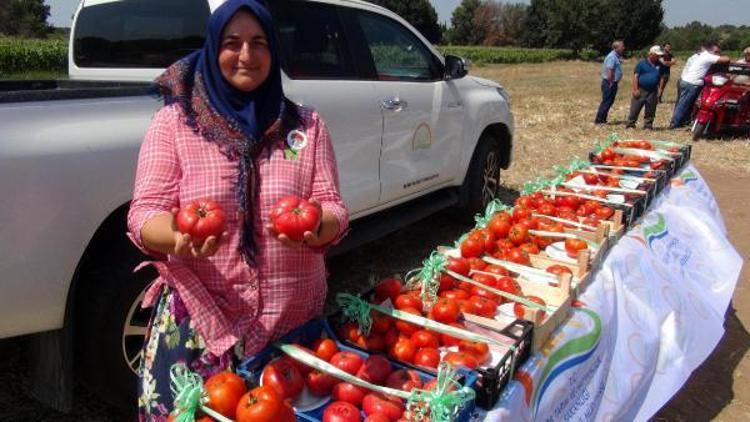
310	238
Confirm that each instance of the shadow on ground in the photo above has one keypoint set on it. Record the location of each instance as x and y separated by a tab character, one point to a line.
711	387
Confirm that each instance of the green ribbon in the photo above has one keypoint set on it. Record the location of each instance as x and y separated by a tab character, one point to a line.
357	310
599	146
428	277
189	395
492	208
445	401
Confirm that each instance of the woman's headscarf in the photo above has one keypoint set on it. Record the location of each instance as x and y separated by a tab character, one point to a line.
222	114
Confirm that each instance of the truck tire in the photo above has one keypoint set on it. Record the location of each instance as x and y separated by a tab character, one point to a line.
699	130
110	325
482	181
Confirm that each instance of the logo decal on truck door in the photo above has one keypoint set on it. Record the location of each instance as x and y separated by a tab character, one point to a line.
422	137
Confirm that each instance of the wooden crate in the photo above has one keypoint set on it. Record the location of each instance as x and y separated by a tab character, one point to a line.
558	296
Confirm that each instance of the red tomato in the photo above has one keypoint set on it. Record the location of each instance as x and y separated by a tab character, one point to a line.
391	407
519	256
480	350
458	265
604	212
519	309
456	294
467	307
201	219
349	393
392	336
224	390
591	179
574	246
259	404
472	247
607	154
389	288
591	220
530	223
380	323
374	342
347	361
571	201
449	341
325	348
525	202
487	237
485	279
283	377
377	417
407	328
446	283
530	248
518	234
319	383
497	269
445	310
478	291
403	350
341	411
428	357
508	284
568	215
521	213
547	209
404	379
559	269
293	216
465	360
477	264
424	338
408	301
485	307
375	369
499	226
505	244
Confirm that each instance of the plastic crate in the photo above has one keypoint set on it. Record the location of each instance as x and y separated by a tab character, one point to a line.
251	368
491	379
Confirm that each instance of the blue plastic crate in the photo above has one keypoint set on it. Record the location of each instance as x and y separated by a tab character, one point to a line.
251	369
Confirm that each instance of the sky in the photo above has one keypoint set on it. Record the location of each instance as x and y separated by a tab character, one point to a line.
678	12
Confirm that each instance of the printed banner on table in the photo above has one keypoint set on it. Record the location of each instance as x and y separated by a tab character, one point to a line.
652	315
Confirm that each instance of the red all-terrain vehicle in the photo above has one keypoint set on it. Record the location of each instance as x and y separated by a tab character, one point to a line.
723	106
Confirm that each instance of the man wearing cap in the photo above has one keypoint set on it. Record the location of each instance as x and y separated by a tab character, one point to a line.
743	79
691	81
646	82
611	74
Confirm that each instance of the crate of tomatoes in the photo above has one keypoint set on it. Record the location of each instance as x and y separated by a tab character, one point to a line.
422	328
322	379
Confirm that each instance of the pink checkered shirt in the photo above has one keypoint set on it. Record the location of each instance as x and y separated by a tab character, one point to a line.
228	300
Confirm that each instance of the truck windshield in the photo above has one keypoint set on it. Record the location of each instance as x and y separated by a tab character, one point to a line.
138	33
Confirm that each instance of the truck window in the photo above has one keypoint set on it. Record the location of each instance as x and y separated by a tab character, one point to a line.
139	33
312	41
396	52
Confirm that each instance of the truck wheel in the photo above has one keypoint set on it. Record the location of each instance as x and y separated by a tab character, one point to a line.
110	325
698	131
483	177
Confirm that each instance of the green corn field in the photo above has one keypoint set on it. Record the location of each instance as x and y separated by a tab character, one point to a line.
23	55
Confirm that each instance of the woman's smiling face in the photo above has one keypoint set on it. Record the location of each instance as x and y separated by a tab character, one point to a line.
244	55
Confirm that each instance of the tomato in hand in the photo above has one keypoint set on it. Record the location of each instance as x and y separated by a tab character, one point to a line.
201	219
341	411
283	377
574	246
390	288
404	379
519	309
461	359
293	216
375	369
428	357
224	391
259	404
445	310
424	338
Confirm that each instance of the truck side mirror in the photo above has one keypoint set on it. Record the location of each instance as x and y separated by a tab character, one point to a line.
455	67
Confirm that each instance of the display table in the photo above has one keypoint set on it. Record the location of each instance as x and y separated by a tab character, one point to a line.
652	315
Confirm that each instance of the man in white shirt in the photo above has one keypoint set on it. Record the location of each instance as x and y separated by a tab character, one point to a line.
691	81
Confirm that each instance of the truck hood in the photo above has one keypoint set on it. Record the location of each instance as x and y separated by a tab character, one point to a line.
485	82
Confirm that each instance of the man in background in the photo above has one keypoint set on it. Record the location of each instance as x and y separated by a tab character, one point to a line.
691	81
667	61
611	74
743	79
647	80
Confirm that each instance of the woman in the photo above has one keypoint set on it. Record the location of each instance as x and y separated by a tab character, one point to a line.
227	133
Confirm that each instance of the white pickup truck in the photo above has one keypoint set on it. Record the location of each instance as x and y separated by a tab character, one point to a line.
412	132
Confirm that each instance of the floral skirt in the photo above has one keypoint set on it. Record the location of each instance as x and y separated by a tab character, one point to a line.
171	339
